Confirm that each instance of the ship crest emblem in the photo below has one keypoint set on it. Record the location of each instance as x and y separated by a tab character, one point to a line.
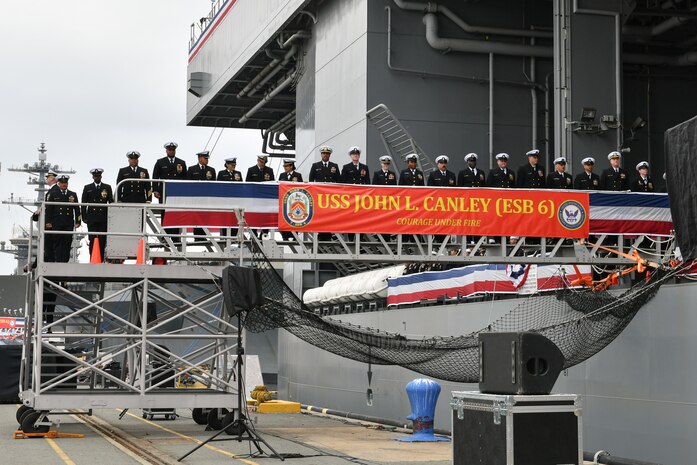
571	215
298	207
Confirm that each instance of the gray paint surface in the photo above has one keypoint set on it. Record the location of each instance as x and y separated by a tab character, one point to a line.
639	394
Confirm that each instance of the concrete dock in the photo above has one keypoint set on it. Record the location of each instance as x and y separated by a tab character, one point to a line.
303	439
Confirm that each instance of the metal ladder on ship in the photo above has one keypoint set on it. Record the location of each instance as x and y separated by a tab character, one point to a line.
396	138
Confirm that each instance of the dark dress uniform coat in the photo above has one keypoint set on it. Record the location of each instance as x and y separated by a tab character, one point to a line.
133	192
557	180
471	177
225	175
438	178
166	169
256	174
531	177
96	217
499	178
293	176
200	173
614	181
62	218
584	182
408	177
320	173
48	238
641	185
382	178
355	174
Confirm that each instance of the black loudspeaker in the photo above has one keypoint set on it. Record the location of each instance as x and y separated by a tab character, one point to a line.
241	289
518	363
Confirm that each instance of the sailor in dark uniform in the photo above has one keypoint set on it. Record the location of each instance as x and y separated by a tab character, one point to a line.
532	175
201	172
471	176
355	172
614	178
133	191
559	178
48	238
168	167
411	176
96	217
289	173
643	183
588	180
62	218
441	176
325	170
260	172
385	176
664	189
502	176
229	173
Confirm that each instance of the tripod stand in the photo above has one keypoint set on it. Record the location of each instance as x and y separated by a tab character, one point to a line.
245	432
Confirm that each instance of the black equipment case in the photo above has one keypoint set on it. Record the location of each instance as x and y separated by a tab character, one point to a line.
497	429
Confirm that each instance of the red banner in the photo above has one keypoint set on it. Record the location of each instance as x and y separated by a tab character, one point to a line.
432	210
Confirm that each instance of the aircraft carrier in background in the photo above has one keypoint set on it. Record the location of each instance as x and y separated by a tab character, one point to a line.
573	78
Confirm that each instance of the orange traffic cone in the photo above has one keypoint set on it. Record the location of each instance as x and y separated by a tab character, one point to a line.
140	256
96	256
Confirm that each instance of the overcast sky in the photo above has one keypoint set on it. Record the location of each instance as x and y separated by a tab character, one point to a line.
94	80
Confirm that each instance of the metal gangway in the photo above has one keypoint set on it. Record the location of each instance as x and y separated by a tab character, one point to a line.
127	335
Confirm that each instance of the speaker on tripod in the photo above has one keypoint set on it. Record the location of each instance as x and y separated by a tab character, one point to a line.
242	294
518	363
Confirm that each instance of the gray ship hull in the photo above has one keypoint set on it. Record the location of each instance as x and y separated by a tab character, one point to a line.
639	394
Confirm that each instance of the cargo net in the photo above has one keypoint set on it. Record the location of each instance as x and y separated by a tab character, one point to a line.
580	322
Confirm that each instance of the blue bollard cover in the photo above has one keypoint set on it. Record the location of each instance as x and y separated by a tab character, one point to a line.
423	394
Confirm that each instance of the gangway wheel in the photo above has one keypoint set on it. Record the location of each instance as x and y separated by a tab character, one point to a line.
21	411
200	415
216	418
29	420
